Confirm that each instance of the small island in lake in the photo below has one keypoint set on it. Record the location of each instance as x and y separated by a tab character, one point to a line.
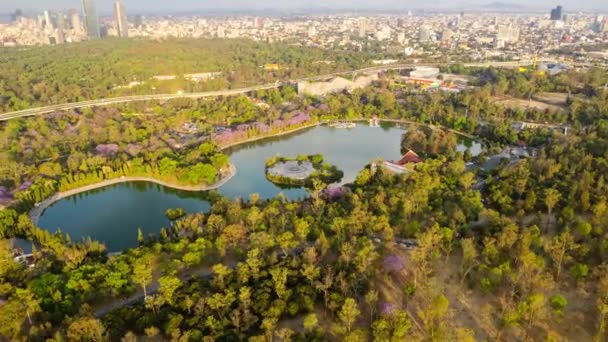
301	171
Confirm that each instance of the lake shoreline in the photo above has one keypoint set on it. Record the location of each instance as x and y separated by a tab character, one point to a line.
325	122
37	211
262	137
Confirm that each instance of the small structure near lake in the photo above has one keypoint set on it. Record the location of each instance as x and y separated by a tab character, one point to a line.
403	166
301	171
292	169
409	158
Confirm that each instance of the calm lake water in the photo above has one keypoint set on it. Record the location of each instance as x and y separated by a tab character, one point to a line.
113	214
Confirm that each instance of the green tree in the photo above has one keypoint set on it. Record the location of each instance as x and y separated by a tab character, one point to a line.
143	270
558	302
469	258
310	322
28	302
349	313
552	197
559	248
579	271
168	285
86	329
434	318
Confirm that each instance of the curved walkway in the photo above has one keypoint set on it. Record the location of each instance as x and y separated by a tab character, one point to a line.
37	211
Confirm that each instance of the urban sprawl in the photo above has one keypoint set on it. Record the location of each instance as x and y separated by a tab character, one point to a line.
468	36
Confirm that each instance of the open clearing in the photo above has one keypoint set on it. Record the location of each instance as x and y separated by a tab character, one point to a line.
515	103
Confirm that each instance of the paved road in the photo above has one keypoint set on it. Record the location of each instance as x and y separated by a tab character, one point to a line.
228	92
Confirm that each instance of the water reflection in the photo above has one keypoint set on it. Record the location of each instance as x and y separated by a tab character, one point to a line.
113	214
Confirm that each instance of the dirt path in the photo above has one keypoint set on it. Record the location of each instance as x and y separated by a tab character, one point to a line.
152	289
197	272
517	103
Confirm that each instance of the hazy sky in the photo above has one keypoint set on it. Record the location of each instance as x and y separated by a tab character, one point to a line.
170	6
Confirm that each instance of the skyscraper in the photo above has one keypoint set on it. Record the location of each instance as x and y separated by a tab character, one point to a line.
120	14
74	20
49	20
138	21
424	34
91	20
60	21
556	13
507	34
16	15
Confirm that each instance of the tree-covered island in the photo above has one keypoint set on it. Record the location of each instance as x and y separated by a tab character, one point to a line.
301	171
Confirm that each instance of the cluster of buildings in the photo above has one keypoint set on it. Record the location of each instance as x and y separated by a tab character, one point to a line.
474	36
55	28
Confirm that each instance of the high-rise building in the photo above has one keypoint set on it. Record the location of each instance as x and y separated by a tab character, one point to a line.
138	21
556	13
59	37
74	20
48	20
424	34
312	31
363	28
91	20
401	38
599	25
446	38
599	18
258	22
507	34
122	26
383	34
220	33
60	21
16	15
40	21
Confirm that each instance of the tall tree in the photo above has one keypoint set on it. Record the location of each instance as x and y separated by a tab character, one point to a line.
143	271
86	329
552	196
168	285
349	313
559	249
28	302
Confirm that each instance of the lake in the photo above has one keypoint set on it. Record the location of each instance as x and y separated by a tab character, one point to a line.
113	214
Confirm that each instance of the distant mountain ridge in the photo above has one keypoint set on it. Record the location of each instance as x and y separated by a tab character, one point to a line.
503	5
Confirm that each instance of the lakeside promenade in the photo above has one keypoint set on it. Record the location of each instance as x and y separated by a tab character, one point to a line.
37	211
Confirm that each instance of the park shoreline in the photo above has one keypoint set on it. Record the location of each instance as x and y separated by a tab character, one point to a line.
325	122
278	134
36	212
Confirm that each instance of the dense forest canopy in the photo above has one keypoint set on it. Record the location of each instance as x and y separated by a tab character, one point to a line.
51	75
450	252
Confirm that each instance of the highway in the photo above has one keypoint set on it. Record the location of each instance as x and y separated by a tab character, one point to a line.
229	92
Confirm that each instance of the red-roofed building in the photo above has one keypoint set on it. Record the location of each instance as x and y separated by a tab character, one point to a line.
410	158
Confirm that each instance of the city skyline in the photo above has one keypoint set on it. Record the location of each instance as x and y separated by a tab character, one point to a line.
120	15
91	18
106	7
